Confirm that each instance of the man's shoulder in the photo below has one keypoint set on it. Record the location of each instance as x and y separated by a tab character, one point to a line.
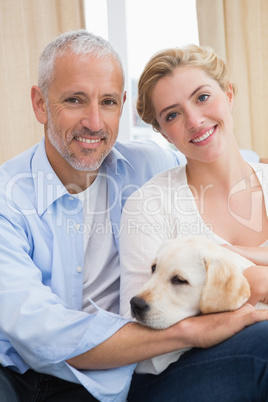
16	183
20	163
148	153
140	147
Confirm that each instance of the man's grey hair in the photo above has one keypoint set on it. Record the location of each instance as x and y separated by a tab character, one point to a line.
77	42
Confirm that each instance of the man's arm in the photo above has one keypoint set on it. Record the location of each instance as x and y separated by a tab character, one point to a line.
134	343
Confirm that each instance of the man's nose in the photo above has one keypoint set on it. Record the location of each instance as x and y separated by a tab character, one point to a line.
92	118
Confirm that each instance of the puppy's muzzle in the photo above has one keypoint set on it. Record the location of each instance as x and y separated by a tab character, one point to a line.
139	308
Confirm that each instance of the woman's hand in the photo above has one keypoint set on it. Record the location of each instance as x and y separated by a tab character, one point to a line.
257	277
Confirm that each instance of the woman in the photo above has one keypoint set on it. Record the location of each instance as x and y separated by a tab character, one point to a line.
186	94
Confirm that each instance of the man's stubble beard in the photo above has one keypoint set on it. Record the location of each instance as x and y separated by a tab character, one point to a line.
63	148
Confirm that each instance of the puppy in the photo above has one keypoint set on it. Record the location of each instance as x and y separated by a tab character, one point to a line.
191	275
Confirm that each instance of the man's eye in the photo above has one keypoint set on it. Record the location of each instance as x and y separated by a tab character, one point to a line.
171	116
203	98
153	267
72	100
109	102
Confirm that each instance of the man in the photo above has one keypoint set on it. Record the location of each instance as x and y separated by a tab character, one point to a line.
61	337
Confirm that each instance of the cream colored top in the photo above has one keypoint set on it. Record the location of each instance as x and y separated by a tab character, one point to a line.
163	208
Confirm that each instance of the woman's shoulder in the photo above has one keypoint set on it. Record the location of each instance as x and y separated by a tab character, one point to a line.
158	188
168	178
261	169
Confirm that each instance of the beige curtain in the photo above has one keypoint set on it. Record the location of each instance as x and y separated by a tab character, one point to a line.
26	26
238	31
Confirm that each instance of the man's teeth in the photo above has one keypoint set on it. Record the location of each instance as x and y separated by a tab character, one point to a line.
87	140
204	136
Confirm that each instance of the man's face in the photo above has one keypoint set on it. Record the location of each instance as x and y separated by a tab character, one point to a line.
85	100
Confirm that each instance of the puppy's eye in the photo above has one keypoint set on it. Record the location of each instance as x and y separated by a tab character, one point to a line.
153	268
176	280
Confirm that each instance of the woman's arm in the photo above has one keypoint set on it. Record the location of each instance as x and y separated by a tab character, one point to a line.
258	255
256	275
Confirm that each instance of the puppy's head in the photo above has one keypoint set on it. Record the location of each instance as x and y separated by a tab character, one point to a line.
189	276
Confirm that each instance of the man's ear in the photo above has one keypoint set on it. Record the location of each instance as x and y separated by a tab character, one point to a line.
39	104
124	99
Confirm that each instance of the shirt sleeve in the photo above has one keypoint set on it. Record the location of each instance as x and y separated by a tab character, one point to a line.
34	318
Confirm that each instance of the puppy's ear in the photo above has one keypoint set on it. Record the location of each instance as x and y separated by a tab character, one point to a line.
226	288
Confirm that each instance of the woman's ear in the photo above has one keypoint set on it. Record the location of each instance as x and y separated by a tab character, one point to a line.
39	104
230	95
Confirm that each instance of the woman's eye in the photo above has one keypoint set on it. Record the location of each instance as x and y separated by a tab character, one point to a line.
203	98
171	116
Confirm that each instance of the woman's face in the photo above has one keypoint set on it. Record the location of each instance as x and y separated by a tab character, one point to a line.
194	113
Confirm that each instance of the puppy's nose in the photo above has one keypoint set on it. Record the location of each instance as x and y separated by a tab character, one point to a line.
139	307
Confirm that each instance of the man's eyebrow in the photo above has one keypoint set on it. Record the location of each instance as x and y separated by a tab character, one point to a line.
112	95
106	95
72	93
177	104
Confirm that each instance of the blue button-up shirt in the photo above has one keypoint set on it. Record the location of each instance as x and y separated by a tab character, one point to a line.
41	265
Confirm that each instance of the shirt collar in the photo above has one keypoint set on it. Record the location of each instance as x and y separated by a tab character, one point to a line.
113	158
48	187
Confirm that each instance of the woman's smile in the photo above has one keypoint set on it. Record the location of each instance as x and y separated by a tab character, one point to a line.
200	139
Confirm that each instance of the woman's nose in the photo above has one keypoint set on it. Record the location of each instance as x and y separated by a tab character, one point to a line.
193	119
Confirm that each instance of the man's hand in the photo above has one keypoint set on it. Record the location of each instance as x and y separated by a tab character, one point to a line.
134	343
209	330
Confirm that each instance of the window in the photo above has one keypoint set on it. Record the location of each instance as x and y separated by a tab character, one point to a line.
137	29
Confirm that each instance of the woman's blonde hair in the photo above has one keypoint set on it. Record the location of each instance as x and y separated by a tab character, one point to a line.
165	62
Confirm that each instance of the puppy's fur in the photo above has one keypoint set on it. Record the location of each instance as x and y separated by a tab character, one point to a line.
191	275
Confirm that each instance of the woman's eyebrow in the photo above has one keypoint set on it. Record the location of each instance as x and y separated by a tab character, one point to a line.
177	104
167	108
198	89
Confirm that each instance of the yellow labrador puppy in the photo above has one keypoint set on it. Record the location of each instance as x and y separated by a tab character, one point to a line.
191	275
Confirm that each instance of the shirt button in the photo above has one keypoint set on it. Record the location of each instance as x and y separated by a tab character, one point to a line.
79	268
71	198
77	226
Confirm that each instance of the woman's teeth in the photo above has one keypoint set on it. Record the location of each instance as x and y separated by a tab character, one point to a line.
204	136
87	140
